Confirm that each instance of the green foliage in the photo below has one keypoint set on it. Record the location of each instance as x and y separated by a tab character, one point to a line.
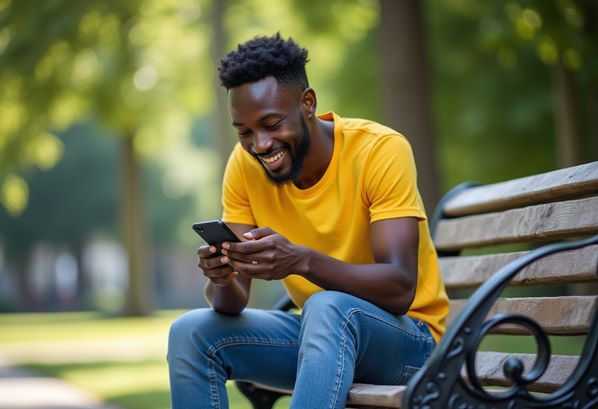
75	198
79	197
494	96
134	64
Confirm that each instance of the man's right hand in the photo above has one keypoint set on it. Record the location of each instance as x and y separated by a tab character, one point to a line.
215	267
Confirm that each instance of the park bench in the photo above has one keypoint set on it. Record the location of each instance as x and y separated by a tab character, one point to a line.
493	240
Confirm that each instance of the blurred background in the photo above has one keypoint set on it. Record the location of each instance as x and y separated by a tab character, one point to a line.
114	134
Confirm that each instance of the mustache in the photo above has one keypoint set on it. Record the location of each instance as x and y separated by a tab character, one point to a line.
269	151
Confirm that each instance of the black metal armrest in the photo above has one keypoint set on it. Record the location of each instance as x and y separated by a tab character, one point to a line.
440	385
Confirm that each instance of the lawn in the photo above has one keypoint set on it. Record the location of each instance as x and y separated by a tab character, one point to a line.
121	360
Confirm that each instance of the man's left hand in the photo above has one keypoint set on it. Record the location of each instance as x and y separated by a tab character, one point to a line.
266	255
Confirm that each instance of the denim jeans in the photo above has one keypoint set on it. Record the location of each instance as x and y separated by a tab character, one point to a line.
337	340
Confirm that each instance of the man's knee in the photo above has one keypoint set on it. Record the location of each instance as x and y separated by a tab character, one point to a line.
328	306
323	301
187	328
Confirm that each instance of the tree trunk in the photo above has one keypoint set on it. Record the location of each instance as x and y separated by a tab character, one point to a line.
406	87
566	125
224	141
83	284
139	292
593	108
590	11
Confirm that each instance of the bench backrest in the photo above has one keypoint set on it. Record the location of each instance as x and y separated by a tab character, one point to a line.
475	230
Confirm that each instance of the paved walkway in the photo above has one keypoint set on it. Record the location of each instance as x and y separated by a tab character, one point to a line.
20	389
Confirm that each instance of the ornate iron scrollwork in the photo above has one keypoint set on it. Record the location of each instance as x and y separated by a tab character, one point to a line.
513	367
440	383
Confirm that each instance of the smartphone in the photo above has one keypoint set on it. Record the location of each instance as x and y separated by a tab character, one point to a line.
214	232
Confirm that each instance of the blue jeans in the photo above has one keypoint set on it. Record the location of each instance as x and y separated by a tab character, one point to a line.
337	340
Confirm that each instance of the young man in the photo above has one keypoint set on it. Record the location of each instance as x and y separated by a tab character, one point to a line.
328	205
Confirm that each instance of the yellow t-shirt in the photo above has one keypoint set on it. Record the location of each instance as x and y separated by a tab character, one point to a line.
371	177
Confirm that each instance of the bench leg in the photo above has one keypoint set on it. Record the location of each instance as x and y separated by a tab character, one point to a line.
259	398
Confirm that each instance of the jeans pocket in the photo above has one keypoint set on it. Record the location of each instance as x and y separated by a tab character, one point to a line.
408	372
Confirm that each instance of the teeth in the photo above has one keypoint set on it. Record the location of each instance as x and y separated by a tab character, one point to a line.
273	158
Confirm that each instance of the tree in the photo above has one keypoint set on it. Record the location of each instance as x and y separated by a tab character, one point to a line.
522	71
134	65
223	138
494	99
407	89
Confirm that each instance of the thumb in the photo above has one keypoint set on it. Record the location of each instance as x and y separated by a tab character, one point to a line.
259	233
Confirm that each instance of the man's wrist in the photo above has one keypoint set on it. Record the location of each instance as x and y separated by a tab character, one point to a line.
305	259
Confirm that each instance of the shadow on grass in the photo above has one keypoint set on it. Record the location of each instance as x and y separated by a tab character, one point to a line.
59	369
154	396
147	381
146	399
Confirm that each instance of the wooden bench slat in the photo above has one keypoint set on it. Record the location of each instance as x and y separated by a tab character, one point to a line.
489	369
547	221
557	315
557	185
567	267
388	396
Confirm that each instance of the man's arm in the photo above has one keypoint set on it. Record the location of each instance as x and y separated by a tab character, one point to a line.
390	283
226	291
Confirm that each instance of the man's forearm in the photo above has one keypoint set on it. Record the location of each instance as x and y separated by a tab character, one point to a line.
387	285
231	299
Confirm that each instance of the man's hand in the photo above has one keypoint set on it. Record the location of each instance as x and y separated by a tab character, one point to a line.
215	267
266	255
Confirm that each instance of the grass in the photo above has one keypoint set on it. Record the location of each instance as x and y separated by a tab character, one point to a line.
121	360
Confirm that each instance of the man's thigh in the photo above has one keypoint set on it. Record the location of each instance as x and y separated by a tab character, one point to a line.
389	348
256	345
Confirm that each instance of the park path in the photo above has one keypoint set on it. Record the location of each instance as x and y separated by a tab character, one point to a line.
21	389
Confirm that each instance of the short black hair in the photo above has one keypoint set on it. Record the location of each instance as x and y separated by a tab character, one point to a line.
262	57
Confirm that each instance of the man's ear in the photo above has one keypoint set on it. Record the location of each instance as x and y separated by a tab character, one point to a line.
309	102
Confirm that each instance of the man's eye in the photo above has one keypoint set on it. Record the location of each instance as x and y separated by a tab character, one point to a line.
244	133
273	126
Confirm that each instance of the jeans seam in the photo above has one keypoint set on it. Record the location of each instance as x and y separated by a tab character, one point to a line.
223	343
397	326
342	357
341	368
214	385
226	342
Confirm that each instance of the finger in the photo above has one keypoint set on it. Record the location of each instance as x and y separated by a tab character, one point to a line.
259	275
212	262
250	268
206	251
218	272
259	233
249	258
246	247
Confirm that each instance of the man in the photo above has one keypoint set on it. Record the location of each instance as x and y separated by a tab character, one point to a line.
328	205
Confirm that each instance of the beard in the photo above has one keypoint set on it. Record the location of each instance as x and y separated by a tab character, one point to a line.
297	159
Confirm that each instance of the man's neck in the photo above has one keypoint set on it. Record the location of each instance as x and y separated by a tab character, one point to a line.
320	153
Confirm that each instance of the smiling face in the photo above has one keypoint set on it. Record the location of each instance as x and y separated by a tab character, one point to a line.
269	119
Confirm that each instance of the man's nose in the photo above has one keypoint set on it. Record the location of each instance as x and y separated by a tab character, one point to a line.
261	143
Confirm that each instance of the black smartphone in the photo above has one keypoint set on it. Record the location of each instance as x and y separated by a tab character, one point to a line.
214	232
